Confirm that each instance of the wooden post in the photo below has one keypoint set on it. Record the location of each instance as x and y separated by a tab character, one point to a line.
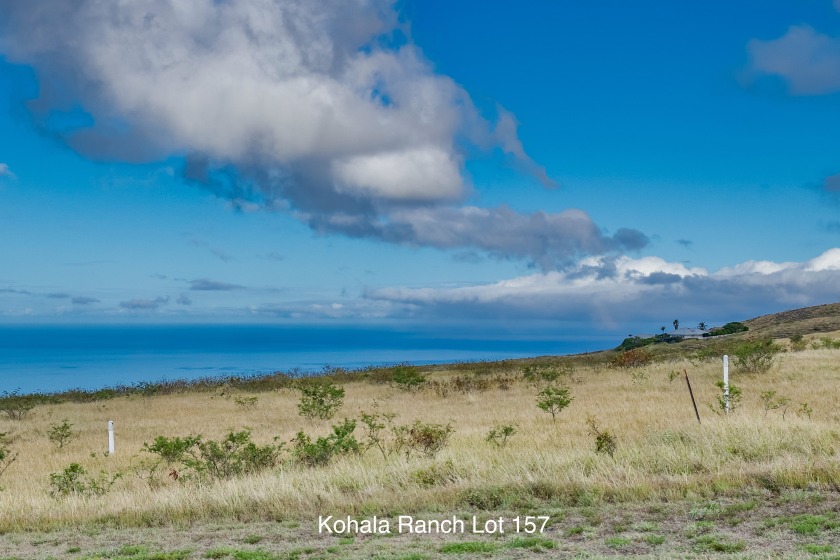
726	383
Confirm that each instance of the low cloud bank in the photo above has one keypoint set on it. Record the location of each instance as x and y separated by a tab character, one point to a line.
615	291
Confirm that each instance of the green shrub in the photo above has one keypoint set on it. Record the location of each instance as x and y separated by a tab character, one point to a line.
830	343
319	452
605	441
755	356
498	435
633	342
16	406
319	399
804	410
734	397
773	402
61	434
553	400
729	328
235	455
798	342
172	450
75	481
376	432
408	377
424	438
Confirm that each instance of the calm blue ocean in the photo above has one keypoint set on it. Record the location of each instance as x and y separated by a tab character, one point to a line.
57	358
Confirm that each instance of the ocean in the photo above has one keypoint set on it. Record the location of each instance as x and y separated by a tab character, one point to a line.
56	358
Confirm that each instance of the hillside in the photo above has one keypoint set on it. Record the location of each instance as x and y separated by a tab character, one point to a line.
804	321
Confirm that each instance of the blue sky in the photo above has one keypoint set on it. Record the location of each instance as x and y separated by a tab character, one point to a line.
574	166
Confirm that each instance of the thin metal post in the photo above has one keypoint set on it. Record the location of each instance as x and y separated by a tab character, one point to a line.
110	437
690	392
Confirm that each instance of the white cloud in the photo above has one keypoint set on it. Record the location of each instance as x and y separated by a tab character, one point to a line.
5	171
293	106
808	60
418	174
625	290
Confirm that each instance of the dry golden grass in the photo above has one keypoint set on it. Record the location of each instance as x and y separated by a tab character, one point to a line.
662	451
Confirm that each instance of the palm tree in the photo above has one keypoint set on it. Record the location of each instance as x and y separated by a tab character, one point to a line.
701	325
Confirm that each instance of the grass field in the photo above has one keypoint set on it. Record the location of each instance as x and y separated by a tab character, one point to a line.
738	484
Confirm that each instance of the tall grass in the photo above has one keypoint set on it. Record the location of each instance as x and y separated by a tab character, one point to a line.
661	451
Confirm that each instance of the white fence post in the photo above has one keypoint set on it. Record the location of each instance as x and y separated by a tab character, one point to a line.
726	383
110	437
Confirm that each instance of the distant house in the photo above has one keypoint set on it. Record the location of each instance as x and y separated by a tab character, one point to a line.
688	333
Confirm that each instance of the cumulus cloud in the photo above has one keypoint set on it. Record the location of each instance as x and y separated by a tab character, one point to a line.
203	284
807	60
322	109
138	304
623	290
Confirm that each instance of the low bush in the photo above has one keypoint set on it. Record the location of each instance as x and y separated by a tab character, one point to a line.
772	401
728	328
633	342
798	342
234	455
424	438
321	451
319	399
637	357
605	441
407	377
755	356
378	432
61	434
734	397
498	435
830	343
17	406
75	481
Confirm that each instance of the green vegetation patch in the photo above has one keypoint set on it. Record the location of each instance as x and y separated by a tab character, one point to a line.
535	544
717	543
654	540
807	524
818	548
138	552
617	542
471	547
